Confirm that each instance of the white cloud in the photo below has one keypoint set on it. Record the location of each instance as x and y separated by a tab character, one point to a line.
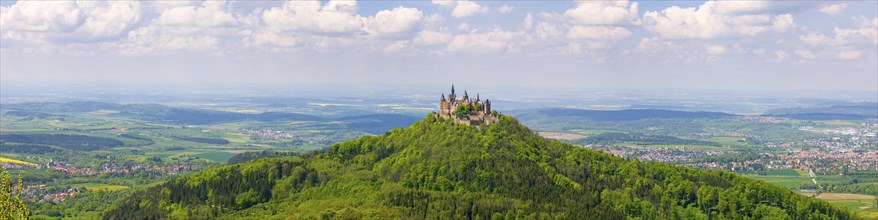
528	21
656	44
503	9
432	37
716	19
209	14
852	35
740	7
493	40
848	55
396	47
865	33
463	27
814	39
586	27
462	8
780	55
268	38
66	21
759	51
805	54
466	8
308	15
396	20
597	33
833	9
603	13
445	3
783	22
715	49
154	40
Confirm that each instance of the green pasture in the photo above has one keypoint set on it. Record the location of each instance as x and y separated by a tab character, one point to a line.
785	181
218	156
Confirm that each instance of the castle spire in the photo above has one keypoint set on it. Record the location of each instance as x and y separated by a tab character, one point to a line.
452	89
443	97
477	97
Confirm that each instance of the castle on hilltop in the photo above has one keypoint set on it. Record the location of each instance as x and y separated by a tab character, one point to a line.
466	110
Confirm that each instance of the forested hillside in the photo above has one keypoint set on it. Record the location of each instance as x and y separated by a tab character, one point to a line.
830	111
438	169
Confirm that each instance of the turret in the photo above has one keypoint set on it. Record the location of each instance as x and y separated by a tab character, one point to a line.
442	98
465	96
452	96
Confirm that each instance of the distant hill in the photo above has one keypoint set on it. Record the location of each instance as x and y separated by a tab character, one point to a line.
830	111
376	123
369	123
161	113
436	169
615	115
76	106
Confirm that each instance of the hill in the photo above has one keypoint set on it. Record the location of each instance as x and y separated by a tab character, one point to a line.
615	115
438	169
830	111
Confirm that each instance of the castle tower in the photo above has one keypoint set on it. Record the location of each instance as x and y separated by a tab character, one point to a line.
487	106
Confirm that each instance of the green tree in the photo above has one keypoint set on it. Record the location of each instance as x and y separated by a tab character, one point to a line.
462	110
11	206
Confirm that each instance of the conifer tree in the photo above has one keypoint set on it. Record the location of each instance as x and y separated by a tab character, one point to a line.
11	205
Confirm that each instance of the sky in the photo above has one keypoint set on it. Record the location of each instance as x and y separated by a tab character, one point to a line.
724	45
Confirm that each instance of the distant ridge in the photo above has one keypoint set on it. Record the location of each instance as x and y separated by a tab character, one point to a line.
830	111
616	115
161	113
369	123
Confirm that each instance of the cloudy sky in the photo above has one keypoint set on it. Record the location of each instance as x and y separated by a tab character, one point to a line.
731	45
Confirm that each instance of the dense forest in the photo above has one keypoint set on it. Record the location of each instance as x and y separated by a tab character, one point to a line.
7	147
248	156
439	169
68	141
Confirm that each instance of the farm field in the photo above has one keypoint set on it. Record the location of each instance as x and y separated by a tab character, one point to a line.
560	135
14	161
792	182
863	205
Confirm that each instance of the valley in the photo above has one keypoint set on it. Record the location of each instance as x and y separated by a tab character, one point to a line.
71	152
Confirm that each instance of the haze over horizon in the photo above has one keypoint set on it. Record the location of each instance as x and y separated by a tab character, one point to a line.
738	46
